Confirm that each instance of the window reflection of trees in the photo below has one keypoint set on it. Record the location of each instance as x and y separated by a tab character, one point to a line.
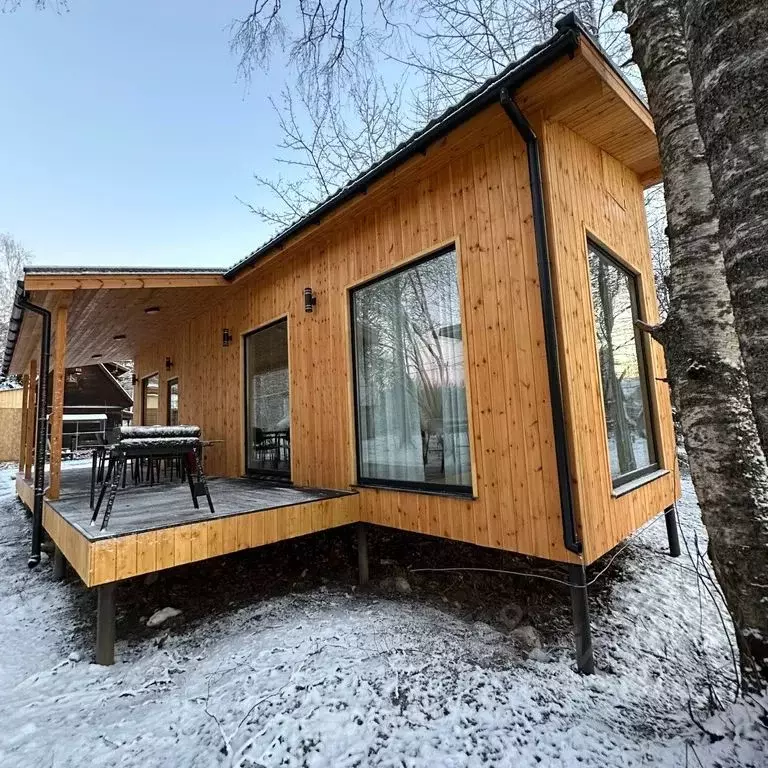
410	375
624	395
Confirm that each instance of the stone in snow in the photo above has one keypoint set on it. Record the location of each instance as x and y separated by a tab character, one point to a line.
526	636
161	616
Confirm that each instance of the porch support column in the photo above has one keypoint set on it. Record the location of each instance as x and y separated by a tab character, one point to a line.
24	416
105	624
57	404
362	554
670	518
577	576
59	564
29	426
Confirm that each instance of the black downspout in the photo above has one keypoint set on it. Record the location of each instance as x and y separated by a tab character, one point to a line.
42	425
524	128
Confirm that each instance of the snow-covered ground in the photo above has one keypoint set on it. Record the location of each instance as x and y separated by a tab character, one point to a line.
277	660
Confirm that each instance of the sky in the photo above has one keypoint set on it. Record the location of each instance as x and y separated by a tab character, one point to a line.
126	137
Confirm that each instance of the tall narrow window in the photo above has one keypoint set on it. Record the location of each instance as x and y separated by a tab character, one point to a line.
268	416
150	400
622	368
173	403
411	403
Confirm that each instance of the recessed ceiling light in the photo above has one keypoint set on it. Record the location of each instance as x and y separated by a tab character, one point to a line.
118	336
152	310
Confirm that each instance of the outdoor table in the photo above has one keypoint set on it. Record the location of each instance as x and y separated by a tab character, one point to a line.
152	443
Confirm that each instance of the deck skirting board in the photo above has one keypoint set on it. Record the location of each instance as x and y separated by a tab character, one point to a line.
103	561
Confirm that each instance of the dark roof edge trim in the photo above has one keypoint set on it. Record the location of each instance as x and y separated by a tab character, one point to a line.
14	328
563	43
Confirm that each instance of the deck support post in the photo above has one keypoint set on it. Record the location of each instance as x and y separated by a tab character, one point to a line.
29	426
57	406
670	518
577	576
362	554
105	624
59	564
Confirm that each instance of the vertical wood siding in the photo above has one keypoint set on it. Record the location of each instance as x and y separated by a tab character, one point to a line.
588	192
472	189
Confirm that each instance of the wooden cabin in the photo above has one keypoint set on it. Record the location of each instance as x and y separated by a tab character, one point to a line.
446	345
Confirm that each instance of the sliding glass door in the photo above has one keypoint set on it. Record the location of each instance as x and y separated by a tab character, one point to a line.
267	424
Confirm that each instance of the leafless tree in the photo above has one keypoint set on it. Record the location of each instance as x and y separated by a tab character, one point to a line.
13	257
339	114
8	6
326	142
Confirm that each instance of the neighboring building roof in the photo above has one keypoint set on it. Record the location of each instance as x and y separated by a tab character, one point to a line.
84	417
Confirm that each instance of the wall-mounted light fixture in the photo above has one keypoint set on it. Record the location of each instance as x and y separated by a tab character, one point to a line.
168	363
152	310
310	300
96	356
134	379
119	336
226	337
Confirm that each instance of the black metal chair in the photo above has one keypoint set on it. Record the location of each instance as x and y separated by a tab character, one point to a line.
152	443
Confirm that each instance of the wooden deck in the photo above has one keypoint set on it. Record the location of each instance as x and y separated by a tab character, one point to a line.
154	528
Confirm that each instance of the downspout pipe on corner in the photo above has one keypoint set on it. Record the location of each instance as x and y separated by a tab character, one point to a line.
22	304
524	128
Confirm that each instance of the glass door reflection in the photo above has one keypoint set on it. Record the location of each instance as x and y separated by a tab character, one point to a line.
268	414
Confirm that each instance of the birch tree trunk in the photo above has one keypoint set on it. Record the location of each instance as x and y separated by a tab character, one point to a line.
727	43
706	372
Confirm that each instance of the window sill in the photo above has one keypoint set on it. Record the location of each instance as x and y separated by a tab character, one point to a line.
638	482
469	496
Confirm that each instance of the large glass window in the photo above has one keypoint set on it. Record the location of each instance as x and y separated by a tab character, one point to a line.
268	417
173	403
150	400
622	368
411	399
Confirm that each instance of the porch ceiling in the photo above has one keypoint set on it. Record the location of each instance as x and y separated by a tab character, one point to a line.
97	314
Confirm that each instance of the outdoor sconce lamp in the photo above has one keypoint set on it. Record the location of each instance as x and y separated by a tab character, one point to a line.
226	337
168	363
134	379
310	300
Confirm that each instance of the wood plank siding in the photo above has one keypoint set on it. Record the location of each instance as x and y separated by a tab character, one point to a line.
474	192
590	193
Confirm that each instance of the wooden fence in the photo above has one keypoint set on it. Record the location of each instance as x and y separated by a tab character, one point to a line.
10	423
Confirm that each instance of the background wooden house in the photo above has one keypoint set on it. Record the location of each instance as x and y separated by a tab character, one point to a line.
450	337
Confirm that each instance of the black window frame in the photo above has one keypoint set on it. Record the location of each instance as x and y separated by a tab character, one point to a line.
644	369
436	489
269	473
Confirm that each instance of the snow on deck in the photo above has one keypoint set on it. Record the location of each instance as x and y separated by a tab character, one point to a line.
327	676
